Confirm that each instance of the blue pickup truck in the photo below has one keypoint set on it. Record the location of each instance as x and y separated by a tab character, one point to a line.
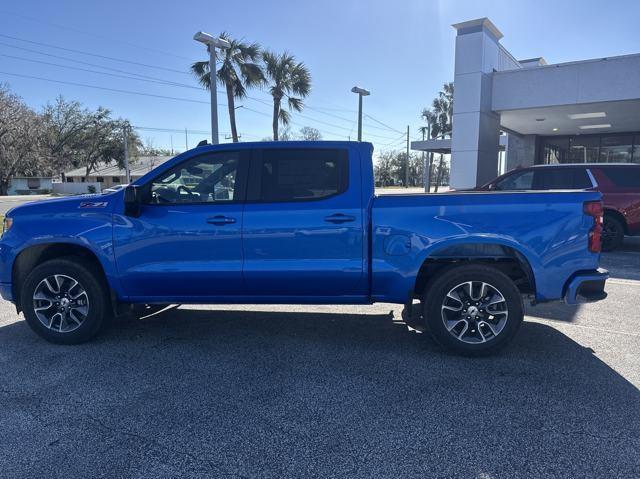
299	222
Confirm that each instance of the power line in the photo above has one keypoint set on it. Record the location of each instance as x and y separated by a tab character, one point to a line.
96	35
117	90
117	75
190	100
383	124
81	52
87	63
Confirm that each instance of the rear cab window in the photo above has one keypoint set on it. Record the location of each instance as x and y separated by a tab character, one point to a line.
564	178
298	174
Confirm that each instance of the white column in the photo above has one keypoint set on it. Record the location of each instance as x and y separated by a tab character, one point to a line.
476	128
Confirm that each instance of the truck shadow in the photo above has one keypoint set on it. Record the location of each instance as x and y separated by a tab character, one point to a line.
289	394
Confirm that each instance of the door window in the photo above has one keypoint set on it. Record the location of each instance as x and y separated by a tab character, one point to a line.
302	174
209	178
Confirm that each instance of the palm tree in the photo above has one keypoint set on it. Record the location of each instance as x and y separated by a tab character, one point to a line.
238	71
429	131
287	77
439	120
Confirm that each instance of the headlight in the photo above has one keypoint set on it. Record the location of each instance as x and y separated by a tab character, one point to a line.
7	223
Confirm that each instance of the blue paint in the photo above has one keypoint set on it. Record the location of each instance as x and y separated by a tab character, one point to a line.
290	252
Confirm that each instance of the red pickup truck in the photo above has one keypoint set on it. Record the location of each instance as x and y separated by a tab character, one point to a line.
618	183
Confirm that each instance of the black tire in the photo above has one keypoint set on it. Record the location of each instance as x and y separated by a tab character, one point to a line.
435	302
89	279
612	233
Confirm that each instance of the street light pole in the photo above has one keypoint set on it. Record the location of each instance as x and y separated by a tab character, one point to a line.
212	43
361	92
406	170
214	95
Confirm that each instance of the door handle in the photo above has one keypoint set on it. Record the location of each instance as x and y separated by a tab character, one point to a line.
220	220
339	218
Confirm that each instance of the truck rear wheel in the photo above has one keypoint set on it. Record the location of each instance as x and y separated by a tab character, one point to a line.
65	300
473	309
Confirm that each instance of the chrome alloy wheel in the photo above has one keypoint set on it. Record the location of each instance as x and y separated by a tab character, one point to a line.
60	303
474	312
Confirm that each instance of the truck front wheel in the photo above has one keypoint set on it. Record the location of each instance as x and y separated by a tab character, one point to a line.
65	301
473	309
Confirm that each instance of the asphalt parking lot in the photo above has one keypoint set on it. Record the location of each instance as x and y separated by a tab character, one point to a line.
327	392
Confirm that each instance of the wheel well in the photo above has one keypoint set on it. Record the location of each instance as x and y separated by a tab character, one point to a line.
619	217
506	259
31	257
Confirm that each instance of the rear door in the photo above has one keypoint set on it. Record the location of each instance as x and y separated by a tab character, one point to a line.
303	233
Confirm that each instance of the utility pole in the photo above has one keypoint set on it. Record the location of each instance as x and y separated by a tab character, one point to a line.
171	145
126	153
406	169
361	92
186	140
425	170
212	43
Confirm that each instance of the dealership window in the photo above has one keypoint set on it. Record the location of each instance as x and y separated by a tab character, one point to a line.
115	179
100	179
556	150
612	148
616	149
69	180
584	149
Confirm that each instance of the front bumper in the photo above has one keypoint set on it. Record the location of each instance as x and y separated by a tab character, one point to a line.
586	287
6	291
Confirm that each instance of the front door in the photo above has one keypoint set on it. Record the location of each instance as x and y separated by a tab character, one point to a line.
304	225
187	242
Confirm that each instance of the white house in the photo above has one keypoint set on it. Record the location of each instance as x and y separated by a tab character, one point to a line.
29	185
110	174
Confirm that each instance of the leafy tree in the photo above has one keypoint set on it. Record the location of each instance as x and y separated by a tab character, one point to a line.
65	123
239	70
382	169
20	139
309	133
287	77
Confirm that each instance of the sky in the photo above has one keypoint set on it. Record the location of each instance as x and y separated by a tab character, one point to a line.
402	51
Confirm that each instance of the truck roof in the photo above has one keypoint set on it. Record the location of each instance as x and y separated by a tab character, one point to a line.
289	144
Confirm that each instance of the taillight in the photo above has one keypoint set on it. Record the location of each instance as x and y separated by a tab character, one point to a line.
595	209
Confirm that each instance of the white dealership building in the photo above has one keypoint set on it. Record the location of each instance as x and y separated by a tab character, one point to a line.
509	112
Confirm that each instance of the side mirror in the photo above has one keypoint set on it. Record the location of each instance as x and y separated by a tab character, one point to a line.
132	201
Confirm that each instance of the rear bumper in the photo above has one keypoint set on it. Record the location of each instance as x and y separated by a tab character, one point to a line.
586	287
6	291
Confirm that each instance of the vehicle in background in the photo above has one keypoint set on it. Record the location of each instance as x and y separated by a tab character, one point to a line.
299	223
619	184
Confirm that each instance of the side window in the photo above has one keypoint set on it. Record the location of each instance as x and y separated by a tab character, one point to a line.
517	181
207	178
302	174
623	177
